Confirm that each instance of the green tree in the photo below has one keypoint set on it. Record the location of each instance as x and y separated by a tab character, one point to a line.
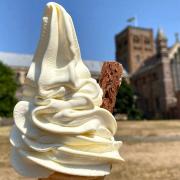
8	87
125	102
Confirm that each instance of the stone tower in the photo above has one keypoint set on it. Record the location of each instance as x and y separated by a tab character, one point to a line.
166	87
134	45
161	44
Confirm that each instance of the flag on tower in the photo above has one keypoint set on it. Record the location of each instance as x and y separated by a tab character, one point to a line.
131	19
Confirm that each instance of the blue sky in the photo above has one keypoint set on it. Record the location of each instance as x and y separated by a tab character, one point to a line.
96	22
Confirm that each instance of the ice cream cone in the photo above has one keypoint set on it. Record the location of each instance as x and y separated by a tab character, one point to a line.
60	176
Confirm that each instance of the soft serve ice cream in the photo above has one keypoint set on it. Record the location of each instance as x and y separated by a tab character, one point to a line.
59	126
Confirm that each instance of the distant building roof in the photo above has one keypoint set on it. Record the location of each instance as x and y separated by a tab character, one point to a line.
16	59
24	60
173	50
150	63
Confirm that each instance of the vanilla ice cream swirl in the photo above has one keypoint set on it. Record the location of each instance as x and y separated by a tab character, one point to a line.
59	125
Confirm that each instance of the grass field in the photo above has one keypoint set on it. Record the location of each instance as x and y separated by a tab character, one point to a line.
151	150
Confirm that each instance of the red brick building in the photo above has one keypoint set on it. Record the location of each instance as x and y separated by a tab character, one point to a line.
154	70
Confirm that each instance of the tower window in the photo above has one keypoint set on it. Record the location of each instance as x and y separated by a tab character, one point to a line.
138	58
138	48
136	39
147	41
148	49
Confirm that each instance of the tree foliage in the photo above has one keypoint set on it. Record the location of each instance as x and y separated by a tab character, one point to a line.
126	102
8	87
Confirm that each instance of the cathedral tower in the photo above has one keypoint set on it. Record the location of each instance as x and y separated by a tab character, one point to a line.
134	45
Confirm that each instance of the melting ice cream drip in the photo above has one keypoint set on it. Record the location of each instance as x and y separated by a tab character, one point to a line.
59	125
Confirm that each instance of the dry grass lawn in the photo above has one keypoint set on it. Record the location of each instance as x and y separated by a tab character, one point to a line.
151	151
